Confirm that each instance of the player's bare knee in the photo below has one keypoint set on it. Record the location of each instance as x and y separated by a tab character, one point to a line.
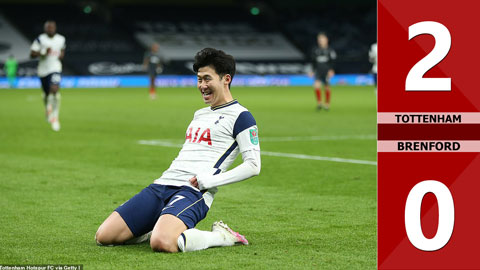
99	238
54	89
102	238
163	244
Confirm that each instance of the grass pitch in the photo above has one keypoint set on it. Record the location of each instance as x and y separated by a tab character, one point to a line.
57	188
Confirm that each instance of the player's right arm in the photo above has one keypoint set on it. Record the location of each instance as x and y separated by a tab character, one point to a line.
36	49
35	54
313	63
62	54
146	59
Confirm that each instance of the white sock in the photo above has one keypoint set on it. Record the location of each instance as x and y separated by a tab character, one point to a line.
49	106
193	239
56	106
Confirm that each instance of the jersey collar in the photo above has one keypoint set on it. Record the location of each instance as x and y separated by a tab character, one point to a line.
224	105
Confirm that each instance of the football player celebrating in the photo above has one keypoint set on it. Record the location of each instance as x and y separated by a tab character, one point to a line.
168	210
49	47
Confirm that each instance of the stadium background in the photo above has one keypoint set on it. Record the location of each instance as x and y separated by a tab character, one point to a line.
106	39
314	204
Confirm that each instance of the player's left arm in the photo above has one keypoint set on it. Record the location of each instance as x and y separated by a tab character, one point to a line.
250	167
333	58
249	147
62	51
62	54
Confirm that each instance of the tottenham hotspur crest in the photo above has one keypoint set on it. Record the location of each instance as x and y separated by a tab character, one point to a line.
219	118
254	136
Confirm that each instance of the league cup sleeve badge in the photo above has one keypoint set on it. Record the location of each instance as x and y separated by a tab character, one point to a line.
254	136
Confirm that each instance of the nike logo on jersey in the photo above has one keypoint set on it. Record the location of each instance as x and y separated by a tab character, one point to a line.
196	138
166	207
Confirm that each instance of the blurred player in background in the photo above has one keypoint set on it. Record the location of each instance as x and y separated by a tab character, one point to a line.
372	56
170	208
323	58
10	67
153	63
49	47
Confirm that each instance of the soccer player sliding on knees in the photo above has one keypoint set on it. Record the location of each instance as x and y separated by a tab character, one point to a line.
167	211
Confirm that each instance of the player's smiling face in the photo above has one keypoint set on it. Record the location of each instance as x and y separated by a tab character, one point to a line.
214	89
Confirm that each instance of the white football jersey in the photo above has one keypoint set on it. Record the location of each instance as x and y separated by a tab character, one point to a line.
51	62
213	140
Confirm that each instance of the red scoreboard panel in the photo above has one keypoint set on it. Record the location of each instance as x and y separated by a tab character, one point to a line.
428	134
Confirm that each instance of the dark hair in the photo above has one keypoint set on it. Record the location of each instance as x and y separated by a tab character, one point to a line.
222	63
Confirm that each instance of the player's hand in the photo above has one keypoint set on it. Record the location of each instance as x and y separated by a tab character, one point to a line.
48	51
194	182
331	73
310	74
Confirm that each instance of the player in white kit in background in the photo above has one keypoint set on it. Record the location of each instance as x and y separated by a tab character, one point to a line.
372	57
49	47
167	211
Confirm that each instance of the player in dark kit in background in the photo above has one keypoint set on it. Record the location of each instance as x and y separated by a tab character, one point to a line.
323	58
153	63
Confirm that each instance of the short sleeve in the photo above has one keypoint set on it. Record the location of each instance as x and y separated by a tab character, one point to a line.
333	54
36	45
244	121
248	139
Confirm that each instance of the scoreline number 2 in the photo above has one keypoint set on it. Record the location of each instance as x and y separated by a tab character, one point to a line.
443	42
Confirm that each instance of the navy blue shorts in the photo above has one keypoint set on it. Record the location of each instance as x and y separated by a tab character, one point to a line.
49	80
143	210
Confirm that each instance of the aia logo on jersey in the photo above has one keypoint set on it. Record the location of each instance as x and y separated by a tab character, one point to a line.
204	137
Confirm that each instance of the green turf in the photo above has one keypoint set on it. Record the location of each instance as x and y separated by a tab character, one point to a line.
57	188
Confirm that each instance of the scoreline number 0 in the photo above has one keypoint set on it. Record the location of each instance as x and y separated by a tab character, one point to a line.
443	42
446	215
